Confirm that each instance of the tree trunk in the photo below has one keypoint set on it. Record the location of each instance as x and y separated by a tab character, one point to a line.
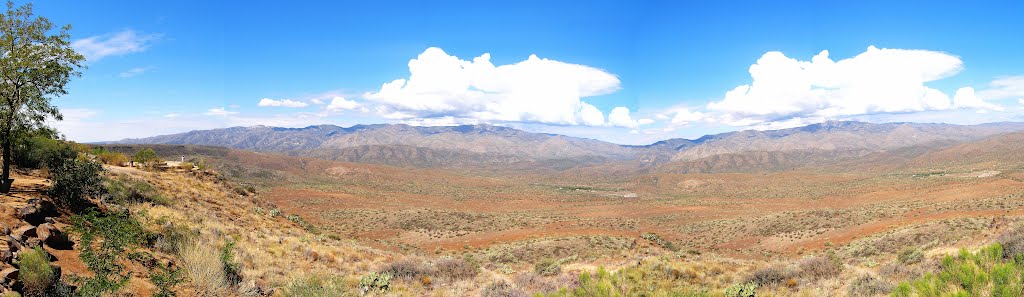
6	182
7	158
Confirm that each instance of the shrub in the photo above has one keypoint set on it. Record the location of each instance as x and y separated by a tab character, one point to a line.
374	282
165	279
171	237
316	286
867	285
33	151
767	276
145	156
73	179
125	190
232	271
741	290
548	267
186	166
112	158
1013	244
819	268
103	242
406	269
501	288
910	256
653	237
35	271
456	269
984	273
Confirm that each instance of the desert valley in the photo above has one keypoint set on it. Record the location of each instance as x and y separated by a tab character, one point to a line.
720	209
511	148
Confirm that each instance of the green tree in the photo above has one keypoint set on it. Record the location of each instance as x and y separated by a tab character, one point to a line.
144	156
36	64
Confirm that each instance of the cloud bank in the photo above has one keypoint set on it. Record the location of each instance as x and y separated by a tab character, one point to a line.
267	102
537	90
876	81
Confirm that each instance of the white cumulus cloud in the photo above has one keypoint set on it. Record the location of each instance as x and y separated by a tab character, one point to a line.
876	81
966	98
219	111
340	103
267	102
684	116
620	117
535	90
114	44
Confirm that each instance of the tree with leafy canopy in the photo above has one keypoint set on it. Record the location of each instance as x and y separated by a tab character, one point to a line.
145	156
36	63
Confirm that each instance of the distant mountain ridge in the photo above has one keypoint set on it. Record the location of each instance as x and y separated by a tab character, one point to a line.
404	145
484	145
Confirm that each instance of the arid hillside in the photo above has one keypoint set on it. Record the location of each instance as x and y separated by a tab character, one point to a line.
770	223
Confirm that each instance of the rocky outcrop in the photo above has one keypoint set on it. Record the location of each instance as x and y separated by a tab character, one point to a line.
37	211
37	228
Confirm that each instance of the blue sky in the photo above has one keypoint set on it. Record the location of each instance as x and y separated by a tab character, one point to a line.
678	67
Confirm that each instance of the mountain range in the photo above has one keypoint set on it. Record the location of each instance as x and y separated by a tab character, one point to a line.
487	145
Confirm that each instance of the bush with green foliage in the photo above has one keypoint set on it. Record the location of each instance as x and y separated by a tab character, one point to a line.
741	290
548	267
375	282
104	242
910	256
145	156
645	280
110	157
654	237
165	279
32	151
984	273
232	270
74	179
124	190
316	286
35	271
867	285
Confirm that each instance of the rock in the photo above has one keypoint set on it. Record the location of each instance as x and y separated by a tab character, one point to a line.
14	244
24	232
53	237
10	273
4	229
6	256
43	231
33	242
37	211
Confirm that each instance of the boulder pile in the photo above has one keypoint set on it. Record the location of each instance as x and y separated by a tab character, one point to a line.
36	228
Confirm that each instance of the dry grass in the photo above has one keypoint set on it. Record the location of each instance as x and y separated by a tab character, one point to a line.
204	268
